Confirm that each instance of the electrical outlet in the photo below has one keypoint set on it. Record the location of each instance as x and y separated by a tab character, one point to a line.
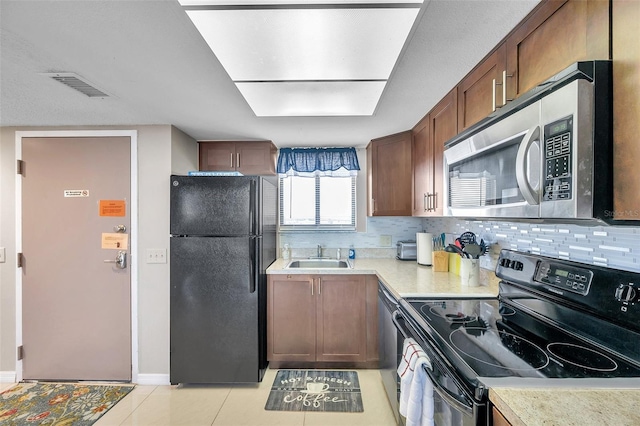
385	240
156	256
3	256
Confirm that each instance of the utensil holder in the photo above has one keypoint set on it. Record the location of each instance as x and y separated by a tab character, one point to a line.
440	261
470	272
454	263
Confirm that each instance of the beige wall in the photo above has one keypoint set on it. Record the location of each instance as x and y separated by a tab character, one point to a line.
161	151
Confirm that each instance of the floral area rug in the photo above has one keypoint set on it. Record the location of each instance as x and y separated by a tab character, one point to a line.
58	404
315	390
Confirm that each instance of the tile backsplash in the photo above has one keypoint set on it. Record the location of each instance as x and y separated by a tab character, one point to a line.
611	246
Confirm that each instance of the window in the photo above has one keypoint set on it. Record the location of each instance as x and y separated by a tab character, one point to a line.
319	202
317	188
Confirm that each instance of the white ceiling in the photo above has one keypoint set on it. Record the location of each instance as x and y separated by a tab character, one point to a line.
159	70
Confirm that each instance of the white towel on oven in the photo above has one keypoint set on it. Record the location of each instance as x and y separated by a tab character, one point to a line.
420	405
410	352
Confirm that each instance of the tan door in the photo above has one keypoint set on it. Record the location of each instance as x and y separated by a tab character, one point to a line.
76	315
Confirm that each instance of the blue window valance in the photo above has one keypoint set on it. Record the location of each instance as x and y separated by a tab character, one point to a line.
318	162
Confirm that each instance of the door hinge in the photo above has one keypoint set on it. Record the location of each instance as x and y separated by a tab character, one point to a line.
20	167
20	352
20	260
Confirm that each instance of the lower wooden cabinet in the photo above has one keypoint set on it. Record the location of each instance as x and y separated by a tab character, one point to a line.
497	419
322	318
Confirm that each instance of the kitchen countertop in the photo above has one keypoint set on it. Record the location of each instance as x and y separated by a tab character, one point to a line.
406	278
567	406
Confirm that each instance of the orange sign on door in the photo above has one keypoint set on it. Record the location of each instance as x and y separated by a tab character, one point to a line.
114	208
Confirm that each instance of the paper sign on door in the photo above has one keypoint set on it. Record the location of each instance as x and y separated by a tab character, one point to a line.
115	241
114	208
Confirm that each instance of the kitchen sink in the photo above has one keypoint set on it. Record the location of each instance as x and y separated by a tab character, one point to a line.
318	264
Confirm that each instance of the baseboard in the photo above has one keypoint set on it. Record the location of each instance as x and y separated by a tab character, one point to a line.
7	376
153	379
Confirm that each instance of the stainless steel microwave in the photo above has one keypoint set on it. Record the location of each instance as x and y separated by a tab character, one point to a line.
547	155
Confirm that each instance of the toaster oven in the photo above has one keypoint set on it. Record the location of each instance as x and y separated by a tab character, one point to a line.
406	250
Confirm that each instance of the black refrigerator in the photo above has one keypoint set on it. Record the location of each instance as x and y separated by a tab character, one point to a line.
223	237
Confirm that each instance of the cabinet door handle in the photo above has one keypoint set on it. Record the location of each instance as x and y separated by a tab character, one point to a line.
493	96
313	282
435	201
238	160
424	202
319	286
231	162
504	87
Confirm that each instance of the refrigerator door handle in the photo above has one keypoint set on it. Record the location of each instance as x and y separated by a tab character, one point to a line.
253	214
253	275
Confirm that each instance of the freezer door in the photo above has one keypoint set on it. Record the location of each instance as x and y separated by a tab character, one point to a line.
214	205
215	319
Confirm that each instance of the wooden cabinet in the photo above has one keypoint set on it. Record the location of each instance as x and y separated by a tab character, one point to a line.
497	419
389	175
248	158
626	109
328	318
553	36
477	92
429	137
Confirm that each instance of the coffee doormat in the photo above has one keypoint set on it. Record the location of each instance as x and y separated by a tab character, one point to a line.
315	390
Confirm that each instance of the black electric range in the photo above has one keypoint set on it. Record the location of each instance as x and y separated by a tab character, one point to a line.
552	319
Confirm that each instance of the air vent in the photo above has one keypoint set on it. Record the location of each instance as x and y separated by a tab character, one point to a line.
78	83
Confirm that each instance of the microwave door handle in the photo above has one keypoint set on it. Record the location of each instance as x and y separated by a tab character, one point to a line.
528	192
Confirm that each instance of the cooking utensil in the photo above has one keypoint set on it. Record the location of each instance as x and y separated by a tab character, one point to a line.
467	238
473	250
451	248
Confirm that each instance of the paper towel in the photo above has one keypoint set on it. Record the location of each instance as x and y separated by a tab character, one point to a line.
424	247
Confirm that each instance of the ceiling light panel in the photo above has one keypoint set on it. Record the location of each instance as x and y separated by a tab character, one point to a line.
290	2
306	44
338	98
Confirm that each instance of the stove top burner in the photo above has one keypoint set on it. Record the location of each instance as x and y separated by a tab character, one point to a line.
582	357
451	312
499	349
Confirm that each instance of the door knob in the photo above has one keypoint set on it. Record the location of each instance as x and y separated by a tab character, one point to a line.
120	228
120	260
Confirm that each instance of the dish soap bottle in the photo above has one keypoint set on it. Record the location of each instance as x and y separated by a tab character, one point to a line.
352	253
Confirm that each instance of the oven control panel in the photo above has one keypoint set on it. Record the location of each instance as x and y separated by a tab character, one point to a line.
570	278
557	159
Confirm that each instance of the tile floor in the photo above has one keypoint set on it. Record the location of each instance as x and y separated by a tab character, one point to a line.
238	405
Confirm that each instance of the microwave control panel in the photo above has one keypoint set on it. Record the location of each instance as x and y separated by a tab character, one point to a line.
558	137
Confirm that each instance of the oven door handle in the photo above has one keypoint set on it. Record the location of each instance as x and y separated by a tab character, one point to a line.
444	394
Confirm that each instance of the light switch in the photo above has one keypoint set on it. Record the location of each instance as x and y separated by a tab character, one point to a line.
156	256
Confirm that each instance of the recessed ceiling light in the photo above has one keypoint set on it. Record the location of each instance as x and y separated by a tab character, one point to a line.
313	52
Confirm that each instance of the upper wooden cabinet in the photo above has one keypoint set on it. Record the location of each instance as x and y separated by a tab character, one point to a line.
554	35
477	92
389	175
429	137
248	158
626	109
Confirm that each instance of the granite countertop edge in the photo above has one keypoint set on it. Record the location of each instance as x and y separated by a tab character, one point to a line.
405	278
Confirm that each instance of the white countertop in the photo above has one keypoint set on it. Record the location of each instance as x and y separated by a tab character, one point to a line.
406	278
